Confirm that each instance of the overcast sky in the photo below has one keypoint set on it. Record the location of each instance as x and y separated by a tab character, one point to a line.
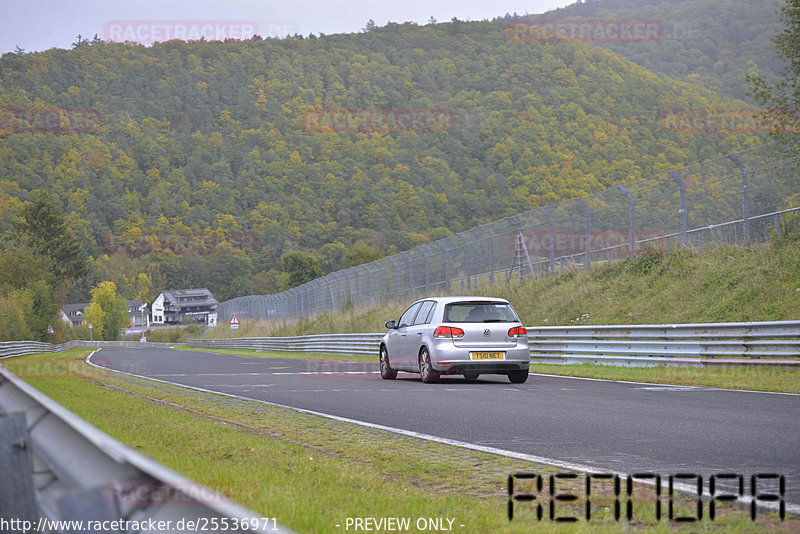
35	25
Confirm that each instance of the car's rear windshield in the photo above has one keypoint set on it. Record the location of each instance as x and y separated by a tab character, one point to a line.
479	312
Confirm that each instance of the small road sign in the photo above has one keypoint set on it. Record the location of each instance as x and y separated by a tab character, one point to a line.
234	322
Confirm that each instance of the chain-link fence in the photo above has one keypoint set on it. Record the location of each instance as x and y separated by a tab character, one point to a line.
732	199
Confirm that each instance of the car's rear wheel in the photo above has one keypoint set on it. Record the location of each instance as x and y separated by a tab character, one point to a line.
426	370
518	377
471	376
387	373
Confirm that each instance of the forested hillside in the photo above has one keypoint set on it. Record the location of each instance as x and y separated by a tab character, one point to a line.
202	164
715	45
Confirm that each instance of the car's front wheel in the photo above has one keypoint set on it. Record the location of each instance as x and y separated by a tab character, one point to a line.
518	377
387	373
426	370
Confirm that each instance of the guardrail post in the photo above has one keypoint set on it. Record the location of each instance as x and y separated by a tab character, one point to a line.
745	198
17	495
631	218
682	187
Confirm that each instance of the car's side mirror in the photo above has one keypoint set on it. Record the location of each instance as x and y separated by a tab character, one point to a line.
390	325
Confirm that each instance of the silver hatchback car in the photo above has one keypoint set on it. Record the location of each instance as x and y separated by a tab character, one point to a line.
467	336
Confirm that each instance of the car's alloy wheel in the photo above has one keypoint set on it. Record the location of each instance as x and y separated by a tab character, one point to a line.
518	377
425	369
387	373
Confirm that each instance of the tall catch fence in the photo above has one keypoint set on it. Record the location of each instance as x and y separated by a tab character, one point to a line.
738	198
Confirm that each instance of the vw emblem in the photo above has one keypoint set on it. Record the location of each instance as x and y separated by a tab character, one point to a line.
487	332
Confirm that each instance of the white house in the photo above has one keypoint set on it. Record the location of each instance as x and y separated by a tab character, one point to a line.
184	306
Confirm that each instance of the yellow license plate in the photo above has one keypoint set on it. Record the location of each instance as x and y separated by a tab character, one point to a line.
487	355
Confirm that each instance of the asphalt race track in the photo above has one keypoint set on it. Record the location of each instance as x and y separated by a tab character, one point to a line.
615	426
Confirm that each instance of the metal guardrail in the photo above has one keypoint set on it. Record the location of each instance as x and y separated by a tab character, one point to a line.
57	467
325	343
702	344
9	349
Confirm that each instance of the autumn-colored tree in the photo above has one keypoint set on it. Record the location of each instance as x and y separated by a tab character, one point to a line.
107	311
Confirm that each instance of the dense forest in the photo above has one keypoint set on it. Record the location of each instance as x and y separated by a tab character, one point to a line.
710	44
219	164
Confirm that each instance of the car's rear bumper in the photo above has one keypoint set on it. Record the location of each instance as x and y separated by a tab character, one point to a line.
448	359
484	368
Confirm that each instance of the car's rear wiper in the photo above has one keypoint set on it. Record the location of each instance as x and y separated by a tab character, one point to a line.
494	320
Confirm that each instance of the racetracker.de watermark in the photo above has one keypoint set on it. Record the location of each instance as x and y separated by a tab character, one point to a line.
337	370
147	32
50	120
587	31
152	31
139	493
718	121
419	120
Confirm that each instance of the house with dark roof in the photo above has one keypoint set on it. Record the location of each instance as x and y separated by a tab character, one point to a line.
73	314
184	306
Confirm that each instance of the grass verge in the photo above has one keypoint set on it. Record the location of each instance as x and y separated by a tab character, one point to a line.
313	473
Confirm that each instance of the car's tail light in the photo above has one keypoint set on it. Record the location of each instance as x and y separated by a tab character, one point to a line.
448	332
517	331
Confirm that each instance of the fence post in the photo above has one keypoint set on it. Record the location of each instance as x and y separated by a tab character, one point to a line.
552	244
491	254
682	187
446	257
382	265
330	290
466	260
588	214
631	218
520	251
427	271
396	275
410	277
745	198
